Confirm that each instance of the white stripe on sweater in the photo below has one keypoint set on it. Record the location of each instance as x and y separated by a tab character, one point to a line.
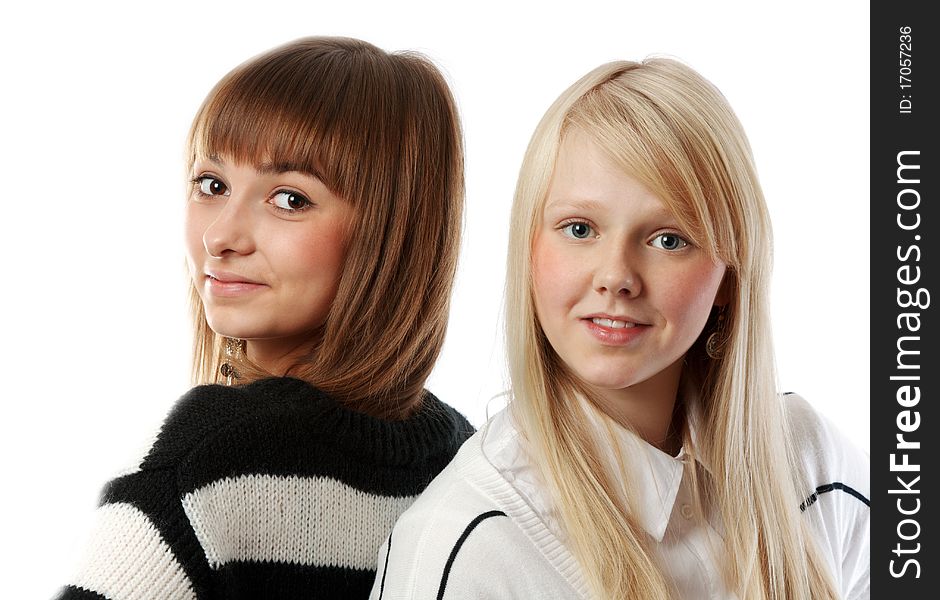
128	559
303	520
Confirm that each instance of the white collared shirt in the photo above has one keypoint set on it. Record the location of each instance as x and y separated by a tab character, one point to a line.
485	528
665	507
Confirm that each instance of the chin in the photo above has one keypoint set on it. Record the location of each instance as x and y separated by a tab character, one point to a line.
608	378
232	328
610	385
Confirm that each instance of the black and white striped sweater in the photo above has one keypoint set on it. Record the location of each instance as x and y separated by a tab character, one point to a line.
267	490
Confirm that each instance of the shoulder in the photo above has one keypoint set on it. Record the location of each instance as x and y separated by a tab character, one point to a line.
142	532
455	502
467	537
206	410
836	494
445	522
287	427
829	462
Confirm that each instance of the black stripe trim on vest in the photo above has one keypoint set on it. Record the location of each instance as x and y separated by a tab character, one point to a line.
463	538
829	487
388	553
72	592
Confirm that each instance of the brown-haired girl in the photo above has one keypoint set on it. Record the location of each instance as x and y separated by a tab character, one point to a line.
322	230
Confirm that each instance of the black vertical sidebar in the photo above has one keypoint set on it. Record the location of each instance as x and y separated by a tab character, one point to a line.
905	369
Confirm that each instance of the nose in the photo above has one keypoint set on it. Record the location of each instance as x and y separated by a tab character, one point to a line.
616	273
231	230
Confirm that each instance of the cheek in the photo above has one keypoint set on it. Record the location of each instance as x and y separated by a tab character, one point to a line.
195	223
560	280
550	276
692	296
314	257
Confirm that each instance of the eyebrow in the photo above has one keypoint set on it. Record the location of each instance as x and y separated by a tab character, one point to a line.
576	204
588	205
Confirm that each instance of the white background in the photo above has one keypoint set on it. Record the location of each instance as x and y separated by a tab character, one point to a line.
96	104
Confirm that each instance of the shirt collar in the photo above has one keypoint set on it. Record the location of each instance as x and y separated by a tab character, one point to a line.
656	475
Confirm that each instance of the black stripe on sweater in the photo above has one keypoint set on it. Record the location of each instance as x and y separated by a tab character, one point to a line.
463	538
288	581
71	592
284	426
831	487
154	493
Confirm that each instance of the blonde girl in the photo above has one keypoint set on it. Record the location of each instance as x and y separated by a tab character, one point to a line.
322	228
646	451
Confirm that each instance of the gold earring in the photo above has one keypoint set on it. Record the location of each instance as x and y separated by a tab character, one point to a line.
233	348
714	345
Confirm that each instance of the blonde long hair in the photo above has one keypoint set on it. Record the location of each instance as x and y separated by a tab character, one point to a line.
672	130
380	130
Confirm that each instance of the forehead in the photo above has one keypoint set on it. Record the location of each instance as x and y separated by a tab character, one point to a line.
585	177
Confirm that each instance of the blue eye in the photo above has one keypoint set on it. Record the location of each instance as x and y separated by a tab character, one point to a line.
578	230
210	186
669	241
290	201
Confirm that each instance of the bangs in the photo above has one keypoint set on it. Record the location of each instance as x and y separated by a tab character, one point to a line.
232	127
674	160
298	115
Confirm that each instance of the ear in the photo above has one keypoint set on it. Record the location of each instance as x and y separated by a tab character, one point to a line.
723	295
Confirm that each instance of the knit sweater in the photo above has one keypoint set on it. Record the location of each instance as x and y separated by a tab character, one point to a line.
267	490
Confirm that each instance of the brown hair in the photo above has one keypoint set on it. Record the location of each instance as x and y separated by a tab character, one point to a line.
380	130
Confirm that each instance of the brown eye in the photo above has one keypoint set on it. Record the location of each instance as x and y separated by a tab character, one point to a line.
291	201
211	186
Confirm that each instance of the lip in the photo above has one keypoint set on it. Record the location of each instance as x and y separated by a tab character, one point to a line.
225	284
615	336
229	277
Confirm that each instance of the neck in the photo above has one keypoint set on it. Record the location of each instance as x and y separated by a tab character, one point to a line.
648	408
278	355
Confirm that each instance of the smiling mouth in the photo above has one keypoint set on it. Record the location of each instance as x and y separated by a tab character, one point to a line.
615	332
613	323
224	277
230	287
